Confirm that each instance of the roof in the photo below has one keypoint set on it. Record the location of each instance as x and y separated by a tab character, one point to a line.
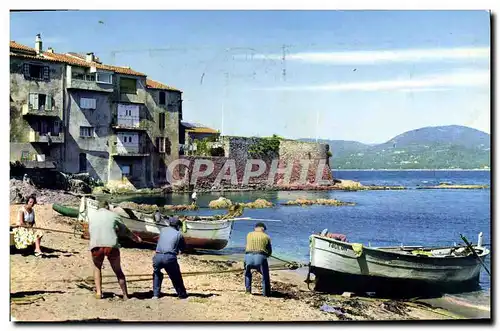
69	58
77	61
19	47
197	128
83	56
202	130
157	85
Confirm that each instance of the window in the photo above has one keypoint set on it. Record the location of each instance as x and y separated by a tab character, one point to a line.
57	128
86	103
104	77
44	127
162	121
128	85
83	162
35	72
160	144
83	76
86	131
162	98
128	139
38	101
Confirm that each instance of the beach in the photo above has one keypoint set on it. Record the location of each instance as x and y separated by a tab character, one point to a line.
39	291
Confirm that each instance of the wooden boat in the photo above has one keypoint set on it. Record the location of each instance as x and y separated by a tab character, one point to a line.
344	266
65	211
200	232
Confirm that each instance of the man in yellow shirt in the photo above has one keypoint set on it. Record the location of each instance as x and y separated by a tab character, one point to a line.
258	249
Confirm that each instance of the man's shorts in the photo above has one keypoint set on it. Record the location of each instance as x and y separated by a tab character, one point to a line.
101	252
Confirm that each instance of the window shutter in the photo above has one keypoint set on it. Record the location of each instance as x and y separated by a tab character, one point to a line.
45	73
26	70
48	102
157	144
94	104
34	101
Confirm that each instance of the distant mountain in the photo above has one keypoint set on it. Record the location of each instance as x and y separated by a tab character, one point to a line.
442	147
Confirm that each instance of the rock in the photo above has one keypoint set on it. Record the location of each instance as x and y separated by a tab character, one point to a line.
259	203
79	186
20	191
220	203
347	294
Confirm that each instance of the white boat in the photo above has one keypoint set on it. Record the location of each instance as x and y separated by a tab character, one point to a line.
348	266
202	232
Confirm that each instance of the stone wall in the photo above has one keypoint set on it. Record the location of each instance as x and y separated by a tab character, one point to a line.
291	153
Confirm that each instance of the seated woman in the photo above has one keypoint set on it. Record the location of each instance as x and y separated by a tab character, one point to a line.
25	237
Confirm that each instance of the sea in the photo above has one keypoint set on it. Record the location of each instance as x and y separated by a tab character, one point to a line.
379	218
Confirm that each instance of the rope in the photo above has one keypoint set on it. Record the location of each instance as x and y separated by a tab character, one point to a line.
292	265
44	229
185	274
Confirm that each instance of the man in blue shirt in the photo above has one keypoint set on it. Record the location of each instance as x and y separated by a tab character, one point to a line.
169	244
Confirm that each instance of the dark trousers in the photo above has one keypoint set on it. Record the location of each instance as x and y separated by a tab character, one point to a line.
169	263
258	262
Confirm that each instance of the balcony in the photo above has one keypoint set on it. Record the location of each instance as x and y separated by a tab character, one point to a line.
131	97
89	81
36	137
130	123
28	111
40	161
129	151
79	84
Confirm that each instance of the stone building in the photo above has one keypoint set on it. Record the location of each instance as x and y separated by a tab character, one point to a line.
190	133
114	123
36	107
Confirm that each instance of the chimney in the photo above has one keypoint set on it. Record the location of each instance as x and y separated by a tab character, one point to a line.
50	50
38	45
90	57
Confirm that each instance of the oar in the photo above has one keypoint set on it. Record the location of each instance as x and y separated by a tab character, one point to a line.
474	253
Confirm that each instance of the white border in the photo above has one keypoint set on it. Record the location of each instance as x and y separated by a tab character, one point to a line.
217	4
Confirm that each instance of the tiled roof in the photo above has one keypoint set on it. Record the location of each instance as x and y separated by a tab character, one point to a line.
72	60
33	57
83	56
79	60
157	85
16	46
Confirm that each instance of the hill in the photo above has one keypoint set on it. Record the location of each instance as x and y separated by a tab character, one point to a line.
442	147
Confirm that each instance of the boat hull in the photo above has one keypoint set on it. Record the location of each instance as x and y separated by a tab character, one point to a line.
199	234
336	265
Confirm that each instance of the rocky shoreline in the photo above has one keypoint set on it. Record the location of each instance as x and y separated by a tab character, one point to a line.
68	189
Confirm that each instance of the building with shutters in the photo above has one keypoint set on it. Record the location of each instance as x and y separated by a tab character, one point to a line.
36	107
109	121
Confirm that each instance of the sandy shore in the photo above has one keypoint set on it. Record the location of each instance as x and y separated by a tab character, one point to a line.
39	292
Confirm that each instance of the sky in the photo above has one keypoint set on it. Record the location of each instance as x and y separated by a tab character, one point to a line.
351	75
